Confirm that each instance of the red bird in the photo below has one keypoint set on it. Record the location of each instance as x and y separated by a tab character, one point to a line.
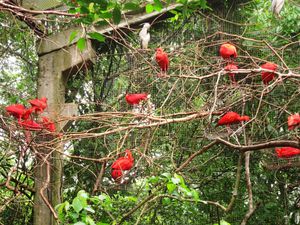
293	121
229	67
19	111
134	99
231	118
116	174
30	125
124	163
228	51
48	124
39	105
16	110
268	76
162	60
287	152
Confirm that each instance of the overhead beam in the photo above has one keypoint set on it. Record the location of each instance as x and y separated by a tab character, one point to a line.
61	40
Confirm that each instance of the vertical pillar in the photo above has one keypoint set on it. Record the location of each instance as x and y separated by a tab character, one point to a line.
54	70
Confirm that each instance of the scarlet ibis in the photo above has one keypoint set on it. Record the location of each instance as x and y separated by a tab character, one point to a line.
116	174
30	125
39	105
268	76
48	124
287	152
16	110
124	163
162	60
144	36
232	118
293	121
228	51
229	67
277	6
134	99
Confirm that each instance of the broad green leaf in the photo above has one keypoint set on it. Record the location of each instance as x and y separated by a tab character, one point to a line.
97	36
81	44
77	204
222	222
171	187
82	194
149	8
72	36
195	195
90	221
131	6
79	223
100	223
116	15
89	209
166	201
175	180
157	5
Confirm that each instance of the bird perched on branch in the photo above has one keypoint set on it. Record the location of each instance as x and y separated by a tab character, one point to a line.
135	99
228	51
232	118
30	125
267	77
144	36
162	60
276	6
122	164
293	121
48	124
287	152
229	67
19	111
39	105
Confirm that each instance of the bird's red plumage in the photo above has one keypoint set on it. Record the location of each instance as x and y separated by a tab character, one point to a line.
30	125
116	174
267	77
48	124
134	99
162	59
228	51
124	163
287	152
232	118
229	67
16	110
39	105
293	121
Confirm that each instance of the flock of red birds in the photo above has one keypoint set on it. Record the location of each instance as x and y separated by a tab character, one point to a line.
25	118
228	52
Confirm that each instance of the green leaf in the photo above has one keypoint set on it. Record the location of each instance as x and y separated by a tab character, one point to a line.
157	5
149	8
82	194
89	209
116	15
73	36
79	223
97	36
195	195
131	6
171	187
77	204
81	44
222	222
90	221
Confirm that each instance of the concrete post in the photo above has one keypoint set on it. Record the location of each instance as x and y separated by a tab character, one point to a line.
54	69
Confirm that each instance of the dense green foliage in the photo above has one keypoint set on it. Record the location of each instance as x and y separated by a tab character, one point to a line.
157	190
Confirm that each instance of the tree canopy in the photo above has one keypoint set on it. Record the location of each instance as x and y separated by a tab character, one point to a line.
186	168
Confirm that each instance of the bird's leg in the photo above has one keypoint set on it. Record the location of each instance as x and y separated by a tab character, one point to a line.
229	130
